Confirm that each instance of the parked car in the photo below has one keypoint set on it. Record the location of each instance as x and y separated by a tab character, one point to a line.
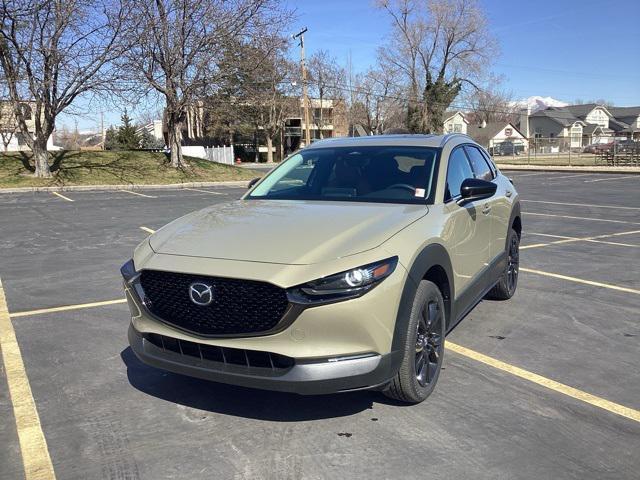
627	146
598	148
507	148
343	276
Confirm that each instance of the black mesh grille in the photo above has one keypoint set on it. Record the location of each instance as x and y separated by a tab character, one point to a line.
238	306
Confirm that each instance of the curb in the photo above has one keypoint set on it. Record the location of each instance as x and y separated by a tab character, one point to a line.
82	188
580	169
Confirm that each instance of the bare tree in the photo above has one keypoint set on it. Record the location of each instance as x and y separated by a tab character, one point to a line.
438	46
327	81
52	52
377	104
491	103
178	50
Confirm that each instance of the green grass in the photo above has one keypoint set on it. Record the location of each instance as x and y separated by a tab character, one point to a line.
551	160
113	168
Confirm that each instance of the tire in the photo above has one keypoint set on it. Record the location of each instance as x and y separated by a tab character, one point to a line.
508	283
423	349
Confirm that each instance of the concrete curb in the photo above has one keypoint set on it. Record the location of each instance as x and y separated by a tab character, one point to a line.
580	169
83	188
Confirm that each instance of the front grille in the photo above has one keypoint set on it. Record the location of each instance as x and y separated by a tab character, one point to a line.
238	306
225	355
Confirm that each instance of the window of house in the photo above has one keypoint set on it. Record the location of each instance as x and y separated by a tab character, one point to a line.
26	111
457	128
458	171
479	164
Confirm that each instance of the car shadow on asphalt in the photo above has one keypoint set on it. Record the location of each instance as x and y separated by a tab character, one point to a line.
244	402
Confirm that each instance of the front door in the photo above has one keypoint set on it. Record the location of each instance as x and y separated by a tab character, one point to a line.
468	227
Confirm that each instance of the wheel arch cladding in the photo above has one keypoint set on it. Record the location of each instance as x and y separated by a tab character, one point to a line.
433	264
515	221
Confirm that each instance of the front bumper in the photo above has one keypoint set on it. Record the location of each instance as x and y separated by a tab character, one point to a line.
319	376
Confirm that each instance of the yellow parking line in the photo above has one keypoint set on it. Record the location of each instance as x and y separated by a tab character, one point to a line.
65	308
519	372
582	205
582	218
203	191
580	280
147	229
138	194
33	445
585	397
62	196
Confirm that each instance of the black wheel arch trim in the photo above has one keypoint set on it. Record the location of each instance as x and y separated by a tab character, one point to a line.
515	213
432	255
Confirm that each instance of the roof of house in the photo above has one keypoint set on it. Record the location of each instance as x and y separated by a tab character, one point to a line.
622	112
451	113
483	135
617	125
559	114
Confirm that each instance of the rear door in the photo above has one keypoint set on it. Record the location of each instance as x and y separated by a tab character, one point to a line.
469	228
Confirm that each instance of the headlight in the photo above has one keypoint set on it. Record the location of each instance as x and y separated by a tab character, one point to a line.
344	285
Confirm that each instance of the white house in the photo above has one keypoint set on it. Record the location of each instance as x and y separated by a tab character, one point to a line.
11	139
455	122
494	134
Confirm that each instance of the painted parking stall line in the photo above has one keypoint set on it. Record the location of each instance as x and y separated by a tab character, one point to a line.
203	191
571	217
626	177
572	392
64	197
147	229
590	205
33	445
138	194
66	308
594	239
580	280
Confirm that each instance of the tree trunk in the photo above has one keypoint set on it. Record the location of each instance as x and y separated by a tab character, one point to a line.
41	157
175	144
269	141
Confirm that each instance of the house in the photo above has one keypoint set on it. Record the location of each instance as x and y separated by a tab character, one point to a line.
455	122
582	124
625	122
11	139
499	137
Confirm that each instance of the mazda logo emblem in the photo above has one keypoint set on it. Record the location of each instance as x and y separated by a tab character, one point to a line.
201	294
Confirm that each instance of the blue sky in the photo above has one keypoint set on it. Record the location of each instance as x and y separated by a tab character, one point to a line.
566	49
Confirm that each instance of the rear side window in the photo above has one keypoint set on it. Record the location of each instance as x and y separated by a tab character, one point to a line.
458	171
480	166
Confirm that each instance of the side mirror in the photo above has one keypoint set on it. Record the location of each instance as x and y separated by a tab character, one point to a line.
476	189
253	182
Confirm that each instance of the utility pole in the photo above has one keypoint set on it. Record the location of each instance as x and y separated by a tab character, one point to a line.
305	97
102	132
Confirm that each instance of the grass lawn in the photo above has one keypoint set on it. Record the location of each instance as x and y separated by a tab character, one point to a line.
113	168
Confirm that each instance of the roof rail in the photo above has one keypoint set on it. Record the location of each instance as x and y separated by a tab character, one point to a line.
449	136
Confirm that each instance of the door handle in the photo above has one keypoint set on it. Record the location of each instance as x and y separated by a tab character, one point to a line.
508	193
486	209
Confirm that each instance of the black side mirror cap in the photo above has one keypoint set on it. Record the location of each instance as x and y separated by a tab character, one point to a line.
253	182
476	189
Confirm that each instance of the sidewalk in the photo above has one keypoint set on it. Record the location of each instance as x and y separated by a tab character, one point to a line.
169	186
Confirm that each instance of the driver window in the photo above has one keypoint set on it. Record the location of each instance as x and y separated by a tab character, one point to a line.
458	171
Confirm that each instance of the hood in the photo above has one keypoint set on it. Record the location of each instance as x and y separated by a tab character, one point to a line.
286	232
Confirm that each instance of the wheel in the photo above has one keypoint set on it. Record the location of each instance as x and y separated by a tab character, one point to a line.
506	286
423	349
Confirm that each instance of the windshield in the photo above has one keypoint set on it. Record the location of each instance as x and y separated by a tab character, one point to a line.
394	174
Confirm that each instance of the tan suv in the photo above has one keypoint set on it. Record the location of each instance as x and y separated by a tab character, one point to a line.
342	269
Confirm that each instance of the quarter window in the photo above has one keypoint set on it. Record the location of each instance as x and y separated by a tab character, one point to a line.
458	171
480	166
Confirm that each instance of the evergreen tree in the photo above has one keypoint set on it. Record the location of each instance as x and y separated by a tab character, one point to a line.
128	138
111	139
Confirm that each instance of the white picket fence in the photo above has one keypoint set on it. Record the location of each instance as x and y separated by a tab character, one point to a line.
222	154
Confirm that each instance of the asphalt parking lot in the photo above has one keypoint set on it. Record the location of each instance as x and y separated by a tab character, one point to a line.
546	385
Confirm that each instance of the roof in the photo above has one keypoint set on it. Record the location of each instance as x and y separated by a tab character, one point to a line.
451	113
625	112
413	140
591	128
483	135
559	114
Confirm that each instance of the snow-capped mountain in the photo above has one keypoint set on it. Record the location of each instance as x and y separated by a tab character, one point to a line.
536	103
